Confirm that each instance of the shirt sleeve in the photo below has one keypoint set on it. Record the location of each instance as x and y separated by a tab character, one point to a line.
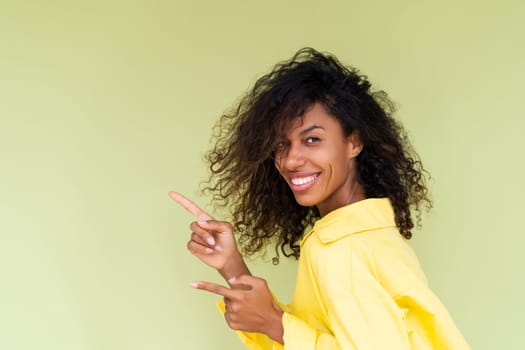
358	313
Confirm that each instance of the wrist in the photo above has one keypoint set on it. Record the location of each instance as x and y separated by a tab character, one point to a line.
234	267
275	325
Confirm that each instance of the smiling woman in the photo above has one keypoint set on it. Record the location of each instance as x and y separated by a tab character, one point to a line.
312	146
247	141
318	161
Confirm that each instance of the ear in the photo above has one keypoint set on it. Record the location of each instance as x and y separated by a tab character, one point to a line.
355	145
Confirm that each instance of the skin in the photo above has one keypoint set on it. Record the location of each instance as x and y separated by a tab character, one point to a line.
319	164
315	150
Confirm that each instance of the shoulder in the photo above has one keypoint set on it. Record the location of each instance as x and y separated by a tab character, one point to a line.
381	256
355	226
379	243
366	215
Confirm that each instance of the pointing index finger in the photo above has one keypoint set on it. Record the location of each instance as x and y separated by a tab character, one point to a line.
190	206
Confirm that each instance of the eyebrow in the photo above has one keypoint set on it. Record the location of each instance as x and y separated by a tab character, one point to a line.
310	128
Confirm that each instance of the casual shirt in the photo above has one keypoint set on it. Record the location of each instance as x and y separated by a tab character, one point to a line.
360	286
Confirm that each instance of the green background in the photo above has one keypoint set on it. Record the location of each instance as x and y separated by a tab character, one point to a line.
105	106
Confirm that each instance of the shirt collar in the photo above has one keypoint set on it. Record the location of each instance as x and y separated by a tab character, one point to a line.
368	214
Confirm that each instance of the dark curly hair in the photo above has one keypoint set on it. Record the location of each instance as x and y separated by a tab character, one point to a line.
243	173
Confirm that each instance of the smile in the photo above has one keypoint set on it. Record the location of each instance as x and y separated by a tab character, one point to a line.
303	183
303	180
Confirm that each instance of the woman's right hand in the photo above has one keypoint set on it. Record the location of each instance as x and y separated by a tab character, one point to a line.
213	241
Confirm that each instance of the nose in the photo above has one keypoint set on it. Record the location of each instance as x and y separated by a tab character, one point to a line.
292	159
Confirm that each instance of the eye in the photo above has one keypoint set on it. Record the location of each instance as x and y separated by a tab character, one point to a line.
280	146
312	139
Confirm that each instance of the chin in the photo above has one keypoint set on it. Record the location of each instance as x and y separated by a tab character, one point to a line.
305	201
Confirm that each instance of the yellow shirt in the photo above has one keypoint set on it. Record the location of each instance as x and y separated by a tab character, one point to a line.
360	286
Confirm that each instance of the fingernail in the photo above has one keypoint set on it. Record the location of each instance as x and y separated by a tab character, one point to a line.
194	284
218	248
202	222
231	280
210	241
209	250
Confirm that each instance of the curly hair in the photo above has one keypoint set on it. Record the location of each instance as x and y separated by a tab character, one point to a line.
243	174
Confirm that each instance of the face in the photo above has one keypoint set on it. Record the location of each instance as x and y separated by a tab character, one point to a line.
317	161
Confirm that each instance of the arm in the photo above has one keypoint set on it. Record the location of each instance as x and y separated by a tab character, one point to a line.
362	317
357	311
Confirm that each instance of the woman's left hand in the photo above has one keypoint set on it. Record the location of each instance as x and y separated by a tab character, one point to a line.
249	304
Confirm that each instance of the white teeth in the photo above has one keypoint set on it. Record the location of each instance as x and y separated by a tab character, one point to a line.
302	180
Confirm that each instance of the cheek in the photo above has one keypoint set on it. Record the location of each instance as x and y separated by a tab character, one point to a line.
339	167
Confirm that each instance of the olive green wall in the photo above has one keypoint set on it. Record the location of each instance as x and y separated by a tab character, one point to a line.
106	106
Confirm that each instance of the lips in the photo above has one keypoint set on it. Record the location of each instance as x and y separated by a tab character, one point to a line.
302	182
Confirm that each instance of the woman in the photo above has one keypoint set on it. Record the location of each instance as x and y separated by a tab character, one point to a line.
311	148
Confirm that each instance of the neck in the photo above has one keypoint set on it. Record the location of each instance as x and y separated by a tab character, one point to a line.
356	194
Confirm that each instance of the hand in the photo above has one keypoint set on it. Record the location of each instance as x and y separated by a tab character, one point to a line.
212	241
250	305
